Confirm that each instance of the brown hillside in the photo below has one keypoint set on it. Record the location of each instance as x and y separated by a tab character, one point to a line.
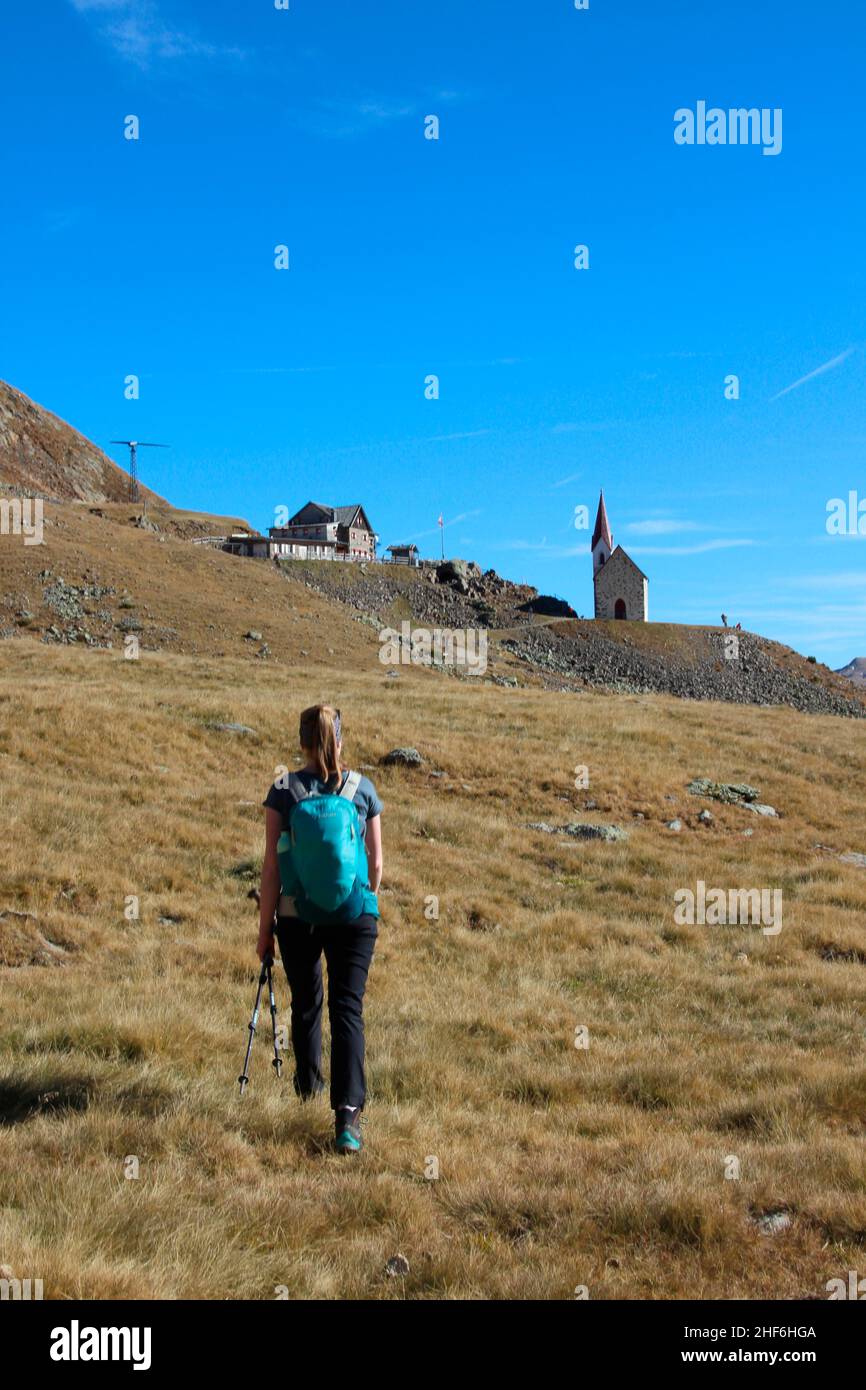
99	575
109	570
42	456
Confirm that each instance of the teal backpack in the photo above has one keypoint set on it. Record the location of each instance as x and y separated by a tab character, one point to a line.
321	854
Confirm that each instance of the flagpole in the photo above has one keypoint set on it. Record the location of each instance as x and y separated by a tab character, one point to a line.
442	533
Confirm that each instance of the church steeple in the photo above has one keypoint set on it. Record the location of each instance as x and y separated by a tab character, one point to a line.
602	540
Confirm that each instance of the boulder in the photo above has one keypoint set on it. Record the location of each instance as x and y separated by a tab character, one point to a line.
402	757
546	606
457	573
853	857
771	1223
581	830
734	793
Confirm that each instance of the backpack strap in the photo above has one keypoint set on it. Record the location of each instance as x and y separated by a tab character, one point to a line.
296	789
350	786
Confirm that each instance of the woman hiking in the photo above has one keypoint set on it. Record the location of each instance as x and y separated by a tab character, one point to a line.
321	872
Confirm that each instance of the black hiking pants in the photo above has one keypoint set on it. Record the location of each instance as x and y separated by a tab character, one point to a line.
348	951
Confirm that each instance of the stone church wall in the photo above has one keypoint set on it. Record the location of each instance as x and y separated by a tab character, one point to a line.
619	580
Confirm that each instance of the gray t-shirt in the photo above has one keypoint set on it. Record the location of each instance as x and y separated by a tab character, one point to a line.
366	800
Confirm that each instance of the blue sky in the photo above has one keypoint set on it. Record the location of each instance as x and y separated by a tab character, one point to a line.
455	257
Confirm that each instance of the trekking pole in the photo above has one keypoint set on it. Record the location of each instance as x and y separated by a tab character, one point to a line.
265	975
277	1063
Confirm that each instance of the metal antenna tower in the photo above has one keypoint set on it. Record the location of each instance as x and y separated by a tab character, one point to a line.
134	445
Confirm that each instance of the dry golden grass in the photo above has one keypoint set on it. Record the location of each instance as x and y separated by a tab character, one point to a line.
559	1166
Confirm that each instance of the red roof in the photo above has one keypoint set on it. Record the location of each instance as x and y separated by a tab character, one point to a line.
602	526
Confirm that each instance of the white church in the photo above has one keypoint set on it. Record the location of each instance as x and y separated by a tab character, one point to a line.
621	589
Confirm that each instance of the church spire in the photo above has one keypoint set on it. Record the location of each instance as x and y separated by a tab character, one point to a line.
602	526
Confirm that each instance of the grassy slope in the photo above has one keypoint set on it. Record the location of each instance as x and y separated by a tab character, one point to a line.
209	599
558	1166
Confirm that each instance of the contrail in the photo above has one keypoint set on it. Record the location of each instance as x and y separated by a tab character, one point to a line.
819	371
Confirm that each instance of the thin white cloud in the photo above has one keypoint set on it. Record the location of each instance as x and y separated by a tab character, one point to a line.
379	111
698	549
685	355
447	438
826	539
136	31
562	552
582	426
543	547
847	579
451	521
62	219
663	526
350	119
275	371
819	371
572	478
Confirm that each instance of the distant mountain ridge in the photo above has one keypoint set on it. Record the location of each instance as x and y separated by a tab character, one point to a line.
42	456
855	670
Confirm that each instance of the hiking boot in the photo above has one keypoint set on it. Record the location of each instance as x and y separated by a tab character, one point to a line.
347	1130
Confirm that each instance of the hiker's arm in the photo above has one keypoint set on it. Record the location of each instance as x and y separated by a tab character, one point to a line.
373	845
270	889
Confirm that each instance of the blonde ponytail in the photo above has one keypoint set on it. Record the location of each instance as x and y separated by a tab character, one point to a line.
320	737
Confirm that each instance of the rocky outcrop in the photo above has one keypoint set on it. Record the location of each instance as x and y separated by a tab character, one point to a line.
733	794
730	792
573	656
455	594
570	653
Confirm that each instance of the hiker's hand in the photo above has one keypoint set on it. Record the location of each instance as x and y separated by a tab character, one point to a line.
266	945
